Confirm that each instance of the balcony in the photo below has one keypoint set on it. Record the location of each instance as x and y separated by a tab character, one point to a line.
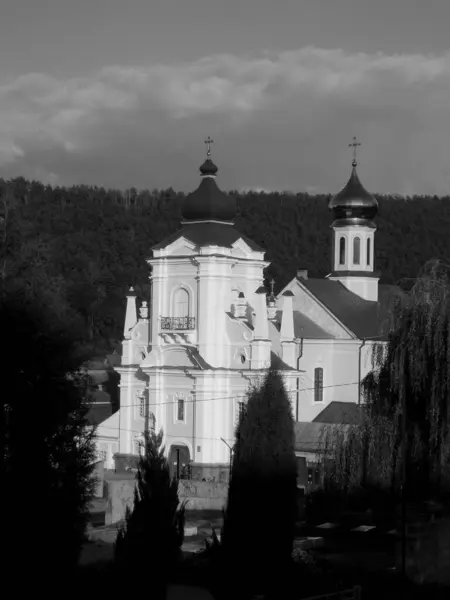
177	323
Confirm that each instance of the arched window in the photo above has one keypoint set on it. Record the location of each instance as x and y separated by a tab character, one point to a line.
356	251
368	252
181	303
342	251
318	384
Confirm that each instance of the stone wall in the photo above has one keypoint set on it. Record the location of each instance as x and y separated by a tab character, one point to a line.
99	475
427	552
200	495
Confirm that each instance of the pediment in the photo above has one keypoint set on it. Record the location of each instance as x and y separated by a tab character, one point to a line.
180	247
241	249
171	356
307	303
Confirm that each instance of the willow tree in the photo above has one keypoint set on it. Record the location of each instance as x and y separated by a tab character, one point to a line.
410	382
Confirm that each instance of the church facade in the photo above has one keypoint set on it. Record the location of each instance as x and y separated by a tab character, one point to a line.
210	330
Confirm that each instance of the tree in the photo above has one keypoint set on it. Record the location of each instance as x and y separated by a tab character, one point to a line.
153	533
411	382
47	447
259	520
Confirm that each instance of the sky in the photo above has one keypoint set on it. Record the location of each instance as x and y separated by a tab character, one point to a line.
121	94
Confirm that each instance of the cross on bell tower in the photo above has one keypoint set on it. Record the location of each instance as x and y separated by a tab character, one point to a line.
354	145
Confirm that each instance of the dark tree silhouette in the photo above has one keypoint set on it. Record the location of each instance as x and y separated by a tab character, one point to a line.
259	520
411	381
47	447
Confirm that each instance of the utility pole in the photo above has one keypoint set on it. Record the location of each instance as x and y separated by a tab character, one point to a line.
403	486
178	464
231	457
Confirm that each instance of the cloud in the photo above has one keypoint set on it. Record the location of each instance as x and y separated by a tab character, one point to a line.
280	121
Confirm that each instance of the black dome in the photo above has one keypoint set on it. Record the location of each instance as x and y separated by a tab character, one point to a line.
208	202
354	201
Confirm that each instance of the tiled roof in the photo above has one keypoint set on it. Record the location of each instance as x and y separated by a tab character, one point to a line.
347	413
305	328
310	437
365	319
209	234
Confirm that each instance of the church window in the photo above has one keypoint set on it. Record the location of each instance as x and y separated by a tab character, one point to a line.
318	384
142	405
102	455
356	251
181	303
180	409
368	252
342	251
241	410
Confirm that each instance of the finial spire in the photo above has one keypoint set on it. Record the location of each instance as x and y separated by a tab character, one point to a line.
208	143
354	145
272	285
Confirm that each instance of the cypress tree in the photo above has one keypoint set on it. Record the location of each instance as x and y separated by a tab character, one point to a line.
153	532
259	520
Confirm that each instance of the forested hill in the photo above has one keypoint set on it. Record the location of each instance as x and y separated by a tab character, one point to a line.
79	249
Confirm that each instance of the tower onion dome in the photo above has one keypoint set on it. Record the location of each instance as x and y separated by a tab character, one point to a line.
208	202
354	201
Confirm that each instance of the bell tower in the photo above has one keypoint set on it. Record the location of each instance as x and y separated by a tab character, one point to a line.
353	236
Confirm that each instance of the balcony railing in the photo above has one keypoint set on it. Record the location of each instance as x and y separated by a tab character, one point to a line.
177	323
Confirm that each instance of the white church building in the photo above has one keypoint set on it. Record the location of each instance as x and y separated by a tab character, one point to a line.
210	330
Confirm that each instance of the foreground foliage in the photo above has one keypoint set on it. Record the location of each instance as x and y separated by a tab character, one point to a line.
47	447
259	520
153	533
406	418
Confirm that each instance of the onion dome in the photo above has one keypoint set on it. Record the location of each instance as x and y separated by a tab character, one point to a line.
208	202
354	201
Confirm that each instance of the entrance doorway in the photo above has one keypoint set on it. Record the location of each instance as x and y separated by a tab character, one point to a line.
179	461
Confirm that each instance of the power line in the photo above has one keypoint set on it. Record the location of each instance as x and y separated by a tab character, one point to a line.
211	439
335	385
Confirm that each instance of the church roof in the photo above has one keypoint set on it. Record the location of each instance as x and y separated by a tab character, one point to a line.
347	413
364	318
304	327
209	234
208	202
353	201
310	436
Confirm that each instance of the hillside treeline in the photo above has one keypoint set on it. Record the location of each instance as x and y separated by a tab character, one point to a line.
78	249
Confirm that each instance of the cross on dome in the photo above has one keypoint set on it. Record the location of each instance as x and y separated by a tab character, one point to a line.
272	285
354	145
208	143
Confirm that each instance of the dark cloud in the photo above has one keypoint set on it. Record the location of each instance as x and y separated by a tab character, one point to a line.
279	122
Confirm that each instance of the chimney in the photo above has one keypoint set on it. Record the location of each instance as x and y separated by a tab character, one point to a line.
131	314
287	334
261	346
261	324
302	273
287	317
